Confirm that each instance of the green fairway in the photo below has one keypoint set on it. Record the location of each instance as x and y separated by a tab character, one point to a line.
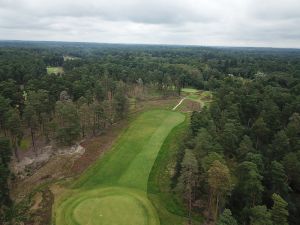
114	190
55	70
189	90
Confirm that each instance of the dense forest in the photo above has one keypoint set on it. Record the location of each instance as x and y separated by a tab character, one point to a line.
240	161
243	152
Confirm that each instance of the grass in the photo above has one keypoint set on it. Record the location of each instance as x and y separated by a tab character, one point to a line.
55	70
168	204
111	206
114	190
200	97
169	209
25	144
67	57
189	90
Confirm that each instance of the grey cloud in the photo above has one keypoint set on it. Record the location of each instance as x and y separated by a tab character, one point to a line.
154	11
275	9
211	22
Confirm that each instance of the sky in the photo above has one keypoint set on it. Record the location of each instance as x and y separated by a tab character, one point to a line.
259	23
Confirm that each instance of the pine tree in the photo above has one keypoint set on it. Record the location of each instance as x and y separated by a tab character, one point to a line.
32	122
205	144
249	185
120	102
4	108
293	131
260	215
246	146
279	210
226	218
5	154
68	124
15	130
187	181
280	145
278	178
219	181
261	131
257	159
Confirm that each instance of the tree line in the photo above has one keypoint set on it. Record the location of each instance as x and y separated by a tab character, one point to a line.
240	162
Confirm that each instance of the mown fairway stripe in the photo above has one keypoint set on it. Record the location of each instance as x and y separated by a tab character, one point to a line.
114	190
137	173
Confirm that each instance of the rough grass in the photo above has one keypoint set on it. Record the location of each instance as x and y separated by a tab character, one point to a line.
189	90
189	106
202	97
169	206
118	182
55	70
194	99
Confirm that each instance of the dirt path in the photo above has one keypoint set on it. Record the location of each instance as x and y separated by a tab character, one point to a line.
179	103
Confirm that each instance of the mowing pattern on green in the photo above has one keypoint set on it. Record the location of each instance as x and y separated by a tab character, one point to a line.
114	190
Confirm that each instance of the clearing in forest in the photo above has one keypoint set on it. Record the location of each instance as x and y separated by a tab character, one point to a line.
203	97
193	100
114	190
55	70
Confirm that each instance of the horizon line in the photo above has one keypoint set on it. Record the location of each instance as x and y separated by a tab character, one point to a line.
152	44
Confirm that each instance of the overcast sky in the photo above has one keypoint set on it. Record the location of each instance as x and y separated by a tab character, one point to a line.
267	23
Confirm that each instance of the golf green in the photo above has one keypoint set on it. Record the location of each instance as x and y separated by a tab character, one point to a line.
114	190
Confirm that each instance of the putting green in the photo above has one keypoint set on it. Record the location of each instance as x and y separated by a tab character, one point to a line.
110	210
114	190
